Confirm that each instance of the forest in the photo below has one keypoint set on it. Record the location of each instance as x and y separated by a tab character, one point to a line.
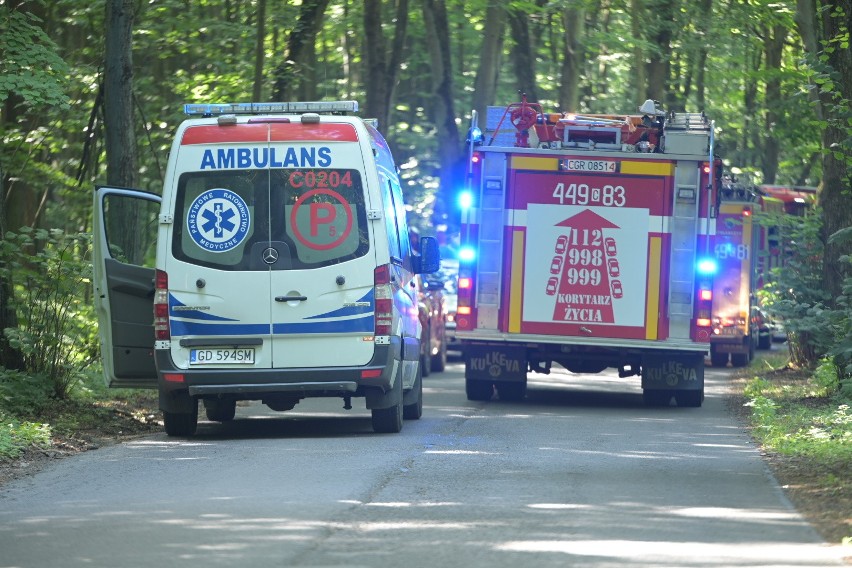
92	91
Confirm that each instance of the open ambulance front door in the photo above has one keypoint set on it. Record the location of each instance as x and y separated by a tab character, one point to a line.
124	242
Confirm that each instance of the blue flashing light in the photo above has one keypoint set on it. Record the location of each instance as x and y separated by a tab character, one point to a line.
465	200
707	266
474	136
467	254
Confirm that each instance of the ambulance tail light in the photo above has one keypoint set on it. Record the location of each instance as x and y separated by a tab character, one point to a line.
161	306
384	300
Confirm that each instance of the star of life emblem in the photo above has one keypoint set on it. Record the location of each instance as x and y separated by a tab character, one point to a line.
218	220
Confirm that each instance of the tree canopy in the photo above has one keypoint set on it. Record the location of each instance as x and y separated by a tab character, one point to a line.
774	76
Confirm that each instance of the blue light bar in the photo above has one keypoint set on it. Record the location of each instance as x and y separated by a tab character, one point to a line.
270	108
465	200
467	254
707	266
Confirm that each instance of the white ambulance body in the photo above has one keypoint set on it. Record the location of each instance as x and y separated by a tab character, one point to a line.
283	268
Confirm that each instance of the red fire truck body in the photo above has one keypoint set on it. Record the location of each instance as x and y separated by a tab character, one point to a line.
581	247
745	252
736	248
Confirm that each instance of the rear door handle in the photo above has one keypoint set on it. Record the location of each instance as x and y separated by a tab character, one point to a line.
290	298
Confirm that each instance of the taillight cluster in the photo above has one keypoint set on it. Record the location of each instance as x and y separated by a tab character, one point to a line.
384	300
465	302
703	310
161	306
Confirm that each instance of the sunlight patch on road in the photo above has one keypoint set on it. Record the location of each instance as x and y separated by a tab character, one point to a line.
558	506
657	553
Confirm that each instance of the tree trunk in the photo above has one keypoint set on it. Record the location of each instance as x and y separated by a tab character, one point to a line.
449	146
382	64
485	84
290	72
120	134
259	52
523	55
660	15
640	78
573	19
701	64
776	37
836	193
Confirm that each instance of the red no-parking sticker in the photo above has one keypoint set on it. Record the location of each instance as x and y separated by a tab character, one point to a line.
321	219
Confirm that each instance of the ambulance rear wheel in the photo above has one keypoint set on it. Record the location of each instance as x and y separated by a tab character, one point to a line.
478	389
389	420
414	410
220	410
181	424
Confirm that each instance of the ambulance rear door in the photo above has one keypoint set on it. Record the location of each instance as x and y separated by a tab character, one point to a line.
322	283
124	233
217	257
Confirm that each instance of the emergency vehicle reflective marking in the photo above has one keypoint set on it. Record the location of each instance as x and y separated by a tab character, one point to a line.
648	168
652	311
321	214
264	133
218	220
219	356
590	166
582	194
264	157
595	242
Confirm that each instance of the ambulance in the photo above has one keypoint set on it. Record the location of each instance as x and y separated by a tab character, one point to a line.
275	266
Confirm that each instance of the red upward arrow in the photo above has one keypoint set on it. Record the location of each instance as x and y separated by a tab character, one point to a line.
587	219
584	294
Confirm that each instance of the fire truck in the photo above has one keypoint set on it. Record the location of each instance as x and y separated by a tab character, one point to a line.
737	243
586	242
745	252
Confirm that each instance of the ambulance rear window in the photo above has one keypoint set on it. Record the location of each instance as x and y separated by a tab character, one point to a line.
231	219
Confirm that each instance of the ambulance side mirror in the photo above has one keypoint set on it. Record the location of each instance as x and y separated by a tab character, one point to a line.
430	256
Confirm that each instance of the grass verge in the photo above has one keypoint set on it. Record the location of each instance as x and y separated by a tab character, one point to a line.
803	423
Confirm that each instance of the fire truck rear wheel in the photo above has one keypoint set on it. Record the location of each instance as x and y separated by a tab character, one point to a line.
689	398
718	359
656	397
512	391
739	359
478	389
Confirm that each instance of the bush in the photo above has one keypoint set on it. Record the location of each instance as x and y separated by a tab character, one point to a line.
56	334
16	436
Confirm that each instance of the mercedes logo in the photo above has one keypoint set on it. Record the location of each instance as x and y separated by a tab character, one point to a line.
270	255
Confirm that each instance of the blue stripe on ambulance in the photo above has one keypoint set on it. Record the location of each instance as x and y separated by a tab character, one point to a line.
191	314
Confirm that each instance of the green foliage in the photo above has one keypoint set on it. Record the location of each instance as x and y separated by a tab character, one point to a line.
802	420
49	271
794	293
15	436
29	65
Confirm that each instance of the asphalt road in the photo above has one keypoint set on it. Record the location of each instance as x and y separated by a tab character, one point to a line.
579	474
